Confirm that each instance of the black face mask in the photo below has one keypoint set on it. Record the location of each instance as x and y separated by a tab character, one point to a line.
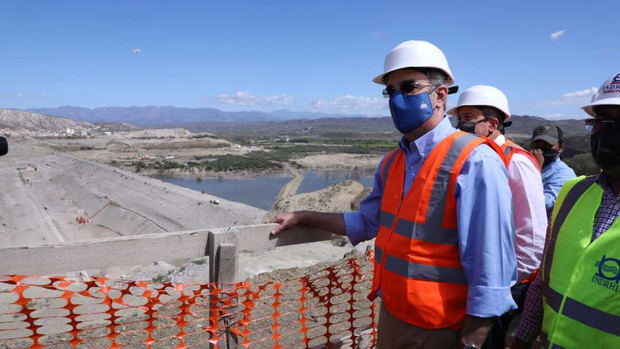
605	145
470	126
4	146
467	126
549	155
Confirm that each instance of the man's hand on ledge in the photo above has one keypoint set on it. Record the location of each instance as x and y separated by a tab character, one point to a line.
286	220
331	222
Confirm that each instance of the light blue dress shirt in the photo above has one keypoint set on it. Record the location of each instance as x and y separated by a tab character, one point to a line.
554	176
484	218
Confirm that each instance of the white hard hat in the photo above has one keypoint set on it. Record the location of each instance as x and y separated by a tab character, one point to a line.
483	95
415	54
608	93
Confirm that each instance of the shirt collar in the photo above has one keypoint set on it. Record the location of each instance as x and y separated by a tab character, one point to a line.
424	144
500	140
604	183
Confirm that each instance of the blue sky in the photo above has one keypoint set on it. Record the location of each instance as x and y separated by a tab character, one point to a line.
298	55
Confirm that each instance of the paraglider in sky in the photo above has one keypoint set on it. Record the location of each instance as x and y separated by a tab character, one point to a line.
137	51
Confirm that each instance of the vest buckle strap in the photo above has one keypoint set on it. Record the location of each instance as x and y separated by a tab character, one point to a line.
413	270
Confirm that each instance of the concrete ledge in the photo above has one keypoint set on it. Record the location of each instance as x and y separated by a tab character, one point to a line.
147	248
102	253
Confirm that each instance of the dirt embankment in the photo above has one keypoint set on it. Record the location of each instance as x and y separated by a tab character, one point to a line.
45	192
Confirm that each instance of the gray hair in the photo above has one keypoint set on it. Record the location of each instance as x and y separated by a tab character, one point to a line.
436	77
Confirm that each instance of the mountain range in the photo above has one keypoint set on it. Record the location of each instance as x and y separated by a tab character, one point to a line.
213	120
152	116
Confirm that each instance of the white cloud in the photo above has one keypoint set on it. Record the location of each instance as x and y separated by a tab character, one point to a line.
557	35
351	105
245	98
581	93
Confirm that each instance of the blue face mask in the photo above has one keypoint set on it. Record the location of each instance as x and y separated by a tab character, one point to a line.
410	111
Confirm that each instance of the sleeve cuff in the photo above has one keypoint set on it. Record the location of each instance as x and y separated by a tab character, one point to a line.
354	226
484	301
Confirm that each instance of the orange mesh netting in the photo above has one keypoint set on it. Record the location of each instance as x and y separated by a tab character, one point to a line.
318	310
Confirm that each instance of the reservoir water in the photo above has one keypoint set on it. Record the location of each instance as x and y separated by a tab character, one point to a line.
261	191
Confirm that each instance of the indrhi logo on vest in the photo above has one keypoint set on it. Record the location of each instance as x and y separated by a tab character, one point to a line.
608	274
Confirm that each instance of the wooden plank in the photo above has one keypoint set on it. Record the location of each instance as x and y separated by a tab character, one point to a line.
102	253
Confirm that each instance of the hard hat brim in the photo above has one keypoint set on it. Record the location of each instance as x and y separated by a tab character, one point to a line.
379	78
606	101
454	111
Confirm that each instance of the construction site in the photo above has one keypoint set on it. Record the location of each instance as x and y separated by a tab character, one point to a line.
95	255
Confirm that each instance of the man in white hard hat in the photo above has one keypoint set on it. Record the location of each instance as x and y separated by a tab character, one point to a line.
441	212
484	110
578	287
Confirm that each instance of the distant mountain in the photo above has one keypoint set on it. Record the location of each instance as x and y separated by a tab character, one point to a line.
209	119
22	120
522	126
167	115
525	124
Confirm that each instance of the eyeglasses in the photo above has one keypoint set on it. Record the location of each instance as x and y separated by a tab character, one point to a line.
405	87
597	124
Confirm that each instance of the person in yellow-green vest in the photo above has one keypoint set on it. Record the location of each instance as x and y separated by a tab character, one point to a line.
577	292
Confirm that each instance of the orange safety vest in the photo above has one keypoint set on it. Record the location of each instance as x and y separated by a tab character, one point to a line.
417	260
510	148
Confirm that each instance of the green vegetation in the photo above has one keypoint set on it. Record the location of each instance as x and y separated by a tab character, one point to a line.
162	278
140	165
220	163
583	164
277	151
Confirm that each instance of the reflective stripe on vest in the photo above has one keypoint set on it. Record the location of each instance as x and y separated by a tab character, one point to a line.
558	219
581	276
583	313
386	165
510	148
432	230
420	271
417	260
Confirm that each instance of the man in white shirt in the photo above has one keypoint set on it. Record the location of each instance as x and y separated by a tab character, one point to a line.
483	110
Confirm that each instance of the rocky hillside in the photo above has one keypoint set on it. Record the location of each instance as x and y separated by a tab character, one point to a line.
22	120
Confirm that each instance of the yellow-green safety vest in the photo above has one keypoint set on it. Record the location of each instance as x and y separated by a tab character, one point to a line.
582	278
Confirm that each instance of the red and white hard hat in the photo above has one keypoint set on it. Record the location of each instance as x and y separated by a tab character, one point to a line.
415	54
483	95
607	94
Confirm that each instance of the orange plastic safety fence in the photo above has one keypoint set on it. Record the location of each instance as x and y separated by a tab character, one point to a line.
327	307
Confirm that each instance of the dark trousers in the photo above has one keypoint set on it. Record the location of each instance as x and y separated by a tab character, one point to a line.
497	334
395	334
